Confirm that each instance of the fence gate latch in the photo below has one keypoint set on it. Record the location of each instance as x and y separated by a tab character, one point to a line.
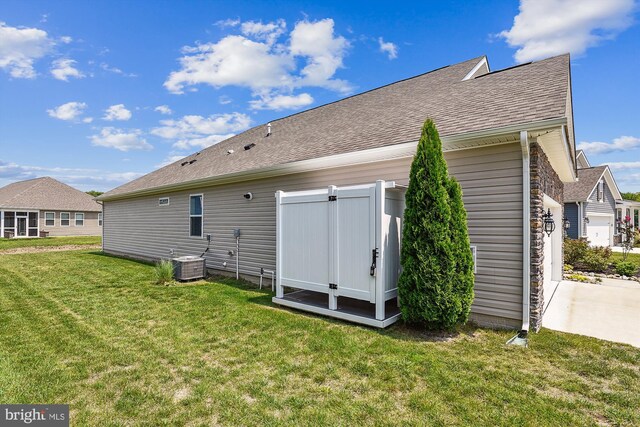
374	257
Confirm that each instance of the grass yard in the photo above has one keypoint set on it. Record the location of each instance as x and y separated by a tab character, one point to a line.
617	256
49	241
93	331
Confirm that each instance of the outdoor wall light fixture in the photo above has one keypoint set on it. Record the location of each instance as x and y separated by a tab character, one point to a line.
566	223
549	223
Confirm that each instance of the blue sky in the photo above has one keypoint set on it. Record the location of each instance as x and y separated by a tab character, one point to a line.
98	93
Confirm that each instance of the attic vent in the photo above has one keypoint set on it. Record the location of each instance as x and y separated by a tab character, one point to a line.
229	151
183	163
249	146
268	129
193	161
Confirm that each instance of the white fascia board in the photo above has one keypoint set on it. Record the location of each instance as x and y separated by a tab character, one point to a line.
483	62
613	185
403	150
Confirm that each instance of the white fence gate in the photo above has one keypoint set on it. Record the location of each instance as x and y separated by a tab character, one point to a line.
343	242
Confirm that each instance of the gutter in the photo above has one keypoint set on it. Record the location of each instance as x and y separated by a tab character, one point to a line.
526	232
402	150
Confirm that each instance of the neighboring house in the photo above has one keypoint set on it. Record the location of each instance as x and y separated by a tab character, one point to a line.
44	206
507	137
590	204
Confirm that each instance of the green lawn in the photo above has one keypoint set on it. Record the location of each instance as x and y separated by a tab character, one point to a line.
93	331
49	241
617	256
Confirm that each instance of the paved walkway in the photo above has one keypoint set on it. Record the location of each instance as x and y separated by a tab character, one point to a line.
609	311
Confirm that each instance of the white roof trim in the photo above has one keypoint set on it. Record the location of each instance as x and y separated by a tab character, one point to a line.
475	69
608	176
581	153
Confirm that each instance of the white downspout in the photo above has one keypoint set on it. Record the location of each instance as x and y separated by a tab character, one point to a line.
526	231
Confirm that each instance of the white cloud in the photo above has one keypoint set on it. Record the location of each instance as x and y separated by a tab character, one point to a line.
391	49
20	48
116	70
224	100
163	109
197	131
120	139
68	111
622	165
546	28
66	39
62	69
269	32
257	61
324	53
281	102
227	23
116	112
622	143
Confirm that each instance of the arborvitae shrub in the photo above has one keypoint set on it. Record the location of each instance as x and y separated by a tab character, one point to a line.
436	285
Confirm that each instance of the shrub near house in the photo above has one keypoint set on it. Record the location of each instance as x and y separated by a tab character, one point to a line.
436	285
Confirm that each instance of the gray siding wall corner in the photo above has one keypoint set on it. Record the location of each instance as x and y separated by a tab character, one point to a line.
90	227
491	180
571	212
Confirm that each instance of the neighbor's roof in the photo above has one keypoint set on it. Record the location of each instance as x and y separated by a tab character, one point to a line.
587	179
385	116
46	193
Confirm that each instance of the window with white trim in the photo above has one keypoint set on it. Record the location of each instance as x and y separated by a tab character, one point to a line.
50	219
79	219
65	219
195	215
100	219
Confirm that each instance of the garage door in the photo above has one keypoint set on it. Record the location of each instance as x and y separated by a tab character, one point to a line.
599	230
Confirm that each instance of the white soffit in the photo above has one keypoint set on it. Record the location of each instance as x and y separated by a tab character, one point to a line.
554	145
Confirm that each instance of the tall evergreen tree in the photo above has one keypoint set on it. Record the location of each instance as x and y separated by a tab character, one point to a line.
433	285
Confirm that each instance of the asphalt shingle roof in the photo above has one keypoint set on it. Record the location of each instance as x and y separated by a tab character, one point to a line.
385	116
46	193
581	190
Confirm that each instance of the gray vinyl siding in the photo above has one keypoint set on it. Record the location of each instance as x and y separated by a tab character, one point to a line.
491	179
608	206
90	227
571	212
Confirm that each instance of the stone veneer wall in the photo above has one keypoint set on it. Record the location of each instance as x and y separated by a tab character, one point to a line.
544	180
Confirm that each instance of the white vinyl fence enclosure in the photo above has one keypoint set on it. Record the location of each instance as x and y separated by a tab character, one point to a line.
340	242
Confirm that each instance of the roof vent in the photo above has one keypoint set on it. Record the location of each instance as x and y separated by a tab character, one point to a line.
193	161
229	151
183	163
249	146
268	129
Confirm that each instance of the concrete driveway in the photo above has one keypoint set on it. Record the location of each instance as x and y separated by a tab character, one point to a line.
609	311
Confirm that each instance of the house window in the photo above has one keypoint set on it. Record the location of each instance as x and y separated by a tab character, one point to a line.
32	224
50	219
64	219
100	219
163	201
195	215
79	219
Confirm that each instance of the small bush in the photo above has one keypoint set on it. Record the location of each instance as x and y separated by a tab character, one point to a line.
574	250
163	272
568	267
597	259
578	278
626	268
